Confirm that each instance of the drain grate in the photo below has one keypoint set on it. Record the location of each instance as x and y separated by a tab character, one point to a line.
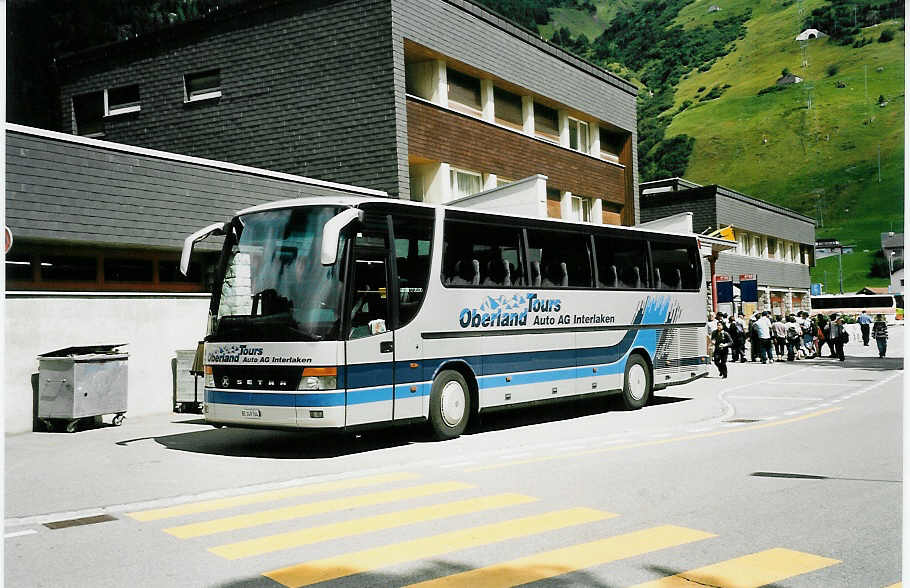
743	421
79	522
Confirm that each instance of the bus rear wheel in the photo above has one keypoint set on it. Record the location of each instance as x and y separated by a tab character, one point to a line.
636	390
450	405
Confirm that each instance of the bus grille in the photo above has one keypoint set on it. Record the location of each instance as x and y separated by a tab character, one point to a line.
256	378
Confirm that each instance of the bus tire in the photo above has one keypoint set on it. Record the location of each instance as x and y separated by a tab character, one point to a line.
637	383
450	405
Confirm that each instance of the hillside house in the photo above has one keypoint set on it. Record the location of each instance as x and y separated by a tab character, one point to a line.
810	34
788	79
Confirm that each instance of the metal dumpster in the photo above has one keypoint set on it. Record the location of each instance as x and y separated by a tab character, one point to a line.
188	392
81	382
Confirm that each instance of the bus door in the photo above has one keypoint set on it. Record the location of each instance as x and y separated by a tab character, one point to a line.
370	340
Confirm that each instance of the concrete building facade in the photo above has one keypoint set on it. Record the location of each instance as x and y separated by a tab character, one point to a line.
427	100
773	243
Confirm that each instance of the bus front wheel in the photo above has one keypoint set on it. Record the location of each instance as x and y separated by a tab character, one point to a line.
450	405
636	390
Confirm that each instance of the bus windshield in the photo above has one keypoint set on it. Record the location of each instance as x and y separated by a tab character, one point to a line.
272	285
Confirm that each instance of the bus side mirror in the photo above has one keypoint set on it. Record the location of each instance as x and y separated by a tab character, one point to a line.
332	231
214	229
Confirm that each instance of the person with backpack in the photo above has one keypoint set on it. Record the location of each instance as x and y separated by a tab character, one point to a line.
837	336
741	328
794	337
880	334
736	337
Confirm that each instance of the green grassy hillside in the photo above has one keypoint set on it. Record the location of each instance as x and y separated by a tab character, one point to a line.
826	151
813	147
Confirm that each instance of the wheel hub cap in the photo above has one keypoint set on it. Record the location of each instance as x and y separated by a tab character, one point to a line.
453	404
638	381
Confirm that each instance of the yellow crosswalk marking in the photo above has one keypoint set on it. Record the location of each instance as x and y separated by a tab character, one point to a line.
366	525
258	497
363	561
303	510
757	569
569	559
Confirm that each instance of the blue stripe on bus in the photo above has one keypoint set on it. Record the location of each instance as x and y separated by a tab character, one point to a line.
359	396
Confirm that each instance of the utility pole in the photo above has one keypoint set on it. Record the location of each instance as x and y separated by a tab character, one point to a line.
840	267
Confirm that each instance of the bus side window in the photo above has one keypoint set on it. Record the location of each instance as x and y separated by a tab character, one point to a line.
674	266
620	262
564	258
482	255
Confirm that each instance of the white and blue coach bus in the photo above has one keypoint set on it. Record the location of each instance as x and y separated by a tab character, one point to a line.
339	313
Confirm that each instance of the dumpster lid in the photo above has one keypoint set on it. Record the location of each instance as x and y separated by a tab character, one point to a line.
85	350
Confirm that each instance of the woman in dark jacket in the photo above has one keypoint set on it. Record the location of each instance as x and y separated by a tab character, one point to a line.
722	342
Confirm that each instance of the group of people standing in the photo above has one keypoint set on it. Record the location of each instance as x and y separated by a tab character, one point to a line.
797	336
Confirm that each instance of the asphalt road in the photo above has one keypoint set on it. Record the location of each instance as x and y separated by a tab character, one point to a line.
786	475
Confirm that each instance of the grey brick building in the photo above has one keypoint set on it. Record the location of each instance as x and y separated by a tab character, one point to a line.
422	99
773	243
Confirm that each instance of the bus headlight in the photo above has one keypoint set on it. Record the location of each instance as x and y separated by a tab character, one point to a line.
319	378
209	378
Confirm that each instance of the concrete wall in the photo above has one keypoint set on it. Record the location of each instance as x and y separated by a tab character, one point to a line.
155	326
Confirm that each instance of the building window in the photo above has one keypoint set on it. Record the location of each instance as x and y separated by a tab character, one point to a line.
122	100
554	203
68	268
745	243
507	109
578	135
464	92
84	269
546	123
581	208
19	266
758	248
88	114
465	183
128	270
610	145
772	248
610	213
204	85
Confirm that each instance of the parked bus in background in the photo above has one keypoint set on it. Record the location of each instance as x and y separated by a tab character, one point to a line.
889	305
340	313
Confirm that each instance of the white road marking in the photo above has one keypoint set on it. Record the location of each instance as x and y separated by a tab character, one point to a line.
20	533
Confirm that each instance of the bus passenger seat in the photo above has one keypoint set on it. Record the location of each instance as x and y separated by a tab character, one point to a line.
631	277
657	281
467	273
556	274
611	277
535	273
679	280
497	273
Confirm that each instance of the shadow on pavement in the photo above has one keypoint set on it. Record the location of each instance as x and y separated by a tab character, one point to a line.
555	576
816	477
265	443
698	580
557	411
877	364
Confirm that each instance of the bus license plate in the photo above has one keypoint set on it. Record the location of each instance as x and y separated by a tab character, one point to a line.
251	413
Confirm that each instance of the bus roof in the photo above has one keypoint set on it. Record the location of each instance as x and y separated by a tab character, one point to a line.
359	200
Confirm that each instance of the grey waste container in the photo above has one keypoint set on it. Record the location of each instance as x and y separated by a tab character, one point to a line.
188	393
79	382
